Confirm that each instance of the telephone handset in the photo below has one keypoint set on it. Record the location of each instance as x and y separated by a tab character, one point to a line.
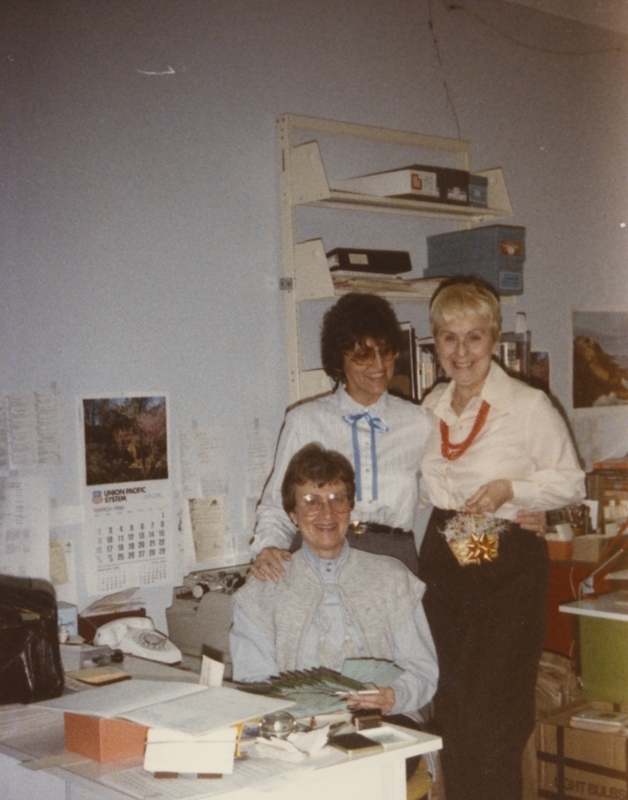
138	637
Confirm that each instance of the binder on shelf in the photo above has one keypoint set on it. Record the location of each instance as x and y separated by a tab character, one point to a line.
478	191
381	262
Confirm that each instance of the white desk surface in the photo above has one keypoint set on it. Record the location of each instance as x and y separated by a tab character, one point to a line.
607	606
34	763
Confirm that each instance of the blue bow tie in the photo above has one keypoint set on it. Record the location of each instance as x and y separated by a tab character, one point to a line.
375	424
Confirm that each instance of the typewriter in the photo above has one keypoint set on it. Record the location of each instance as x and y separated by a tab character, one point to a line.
200	615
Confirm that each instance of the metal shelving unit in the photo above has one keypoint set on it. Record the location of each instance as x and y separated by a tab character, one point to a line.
304	182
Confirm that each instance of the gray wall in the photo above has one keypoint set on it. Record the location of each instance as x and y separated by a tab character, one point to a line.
140	222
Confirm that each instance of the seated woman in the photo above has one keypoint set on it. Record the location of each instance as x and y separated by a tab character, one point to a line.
335	602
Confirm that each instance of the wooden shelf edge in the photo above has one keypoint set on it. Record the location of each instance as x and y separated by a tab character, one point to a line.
418	208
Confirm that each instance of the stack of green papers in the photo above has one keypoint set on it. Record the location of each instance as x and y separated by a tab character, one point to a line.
319	690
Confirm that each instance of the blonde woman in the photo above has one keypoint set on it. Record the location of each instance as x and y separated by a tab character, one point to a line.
498	454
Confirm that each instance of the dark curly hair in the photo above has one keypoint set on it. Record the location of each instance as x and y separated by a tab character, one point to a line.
314	463
352	320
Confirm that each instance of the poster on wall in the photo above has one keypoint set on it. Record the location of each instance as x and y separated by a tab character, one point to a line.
129	539
600	358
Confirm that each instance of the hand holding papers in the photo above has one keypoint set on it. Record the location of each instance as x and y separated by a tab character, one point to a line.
321	690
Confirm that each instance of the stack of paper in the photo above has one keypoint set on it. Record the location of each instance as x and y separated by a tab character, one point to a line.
595	719
323	691
115	603
188	708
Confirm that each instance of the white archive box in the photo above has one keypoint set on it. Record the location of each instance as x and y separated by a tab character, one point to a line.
173	751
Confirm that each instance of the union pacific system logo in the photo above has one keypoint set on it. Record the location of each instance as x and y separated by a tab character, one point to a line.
97	497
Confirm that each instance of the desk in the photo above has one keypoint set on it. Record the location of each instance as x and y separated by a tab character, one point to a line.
63	776
603	645
613	605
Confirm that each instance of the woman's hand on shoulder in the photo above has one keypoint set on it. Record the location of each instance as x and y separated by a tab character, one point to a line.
490	497
269	564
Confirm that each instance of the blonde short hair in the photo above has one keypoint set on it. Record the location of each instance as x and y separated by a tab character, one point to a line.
465	295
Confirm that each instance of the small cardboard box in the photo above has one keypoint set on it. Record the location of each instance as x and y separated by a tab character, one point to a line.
576	763
103	739
416	182
589	547
559	550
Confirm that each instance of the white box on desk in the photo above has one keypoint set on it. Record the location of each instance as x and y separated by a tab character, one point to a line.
172	751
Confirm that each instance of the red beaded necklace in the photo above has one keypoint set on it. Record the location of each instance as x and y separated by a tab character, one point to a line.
454	451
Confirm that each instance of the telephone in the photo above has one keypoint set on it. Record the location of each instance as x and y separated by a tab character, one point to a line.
138	637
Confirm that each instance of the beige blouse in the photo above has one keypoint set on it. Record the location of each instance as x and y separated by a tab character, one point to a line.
524	440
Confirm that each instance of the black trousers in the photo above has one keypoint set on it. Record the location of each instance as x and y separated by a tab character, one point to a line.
488	623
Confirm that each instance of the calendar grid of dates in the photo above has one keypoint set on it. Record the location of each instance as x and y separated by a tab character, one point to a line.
131	549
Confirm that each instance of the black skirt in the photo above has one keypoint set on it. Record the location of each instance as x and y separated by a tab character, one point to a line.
488	622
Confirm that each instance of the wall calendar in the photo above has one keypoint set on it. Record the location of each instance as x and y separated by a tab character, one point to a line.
129	538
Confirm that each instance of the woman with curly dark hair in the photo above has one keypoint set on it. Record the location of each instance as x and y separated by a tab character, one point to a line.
383	437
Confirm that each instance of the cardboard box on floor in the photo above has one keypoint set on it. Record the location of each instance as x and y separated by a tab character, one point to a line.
103	739
577	763
556	687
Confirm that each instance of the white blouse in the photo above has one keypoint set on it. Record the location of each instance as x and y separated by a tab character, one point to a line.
523	440
389	496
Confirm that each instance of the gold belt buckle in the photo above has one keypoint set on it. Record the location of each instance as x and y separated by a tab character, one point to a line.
358	527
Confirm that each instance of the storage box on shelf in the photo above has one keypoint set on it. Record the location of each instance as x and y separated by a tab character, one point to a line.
493	252
304	182
417	182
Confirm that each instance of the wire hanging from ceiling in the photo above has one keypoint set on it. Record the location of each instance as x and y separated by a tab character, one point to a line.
595	51
450	101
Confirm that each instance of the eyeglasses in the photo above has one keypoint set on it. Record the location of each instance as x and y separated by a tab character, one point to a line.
366	354
313	504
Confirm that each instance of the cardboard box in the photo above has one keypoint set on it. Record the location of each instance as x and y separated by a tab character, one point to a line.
416	182
175	752
103	739
559	550
576	763
589	547
495	253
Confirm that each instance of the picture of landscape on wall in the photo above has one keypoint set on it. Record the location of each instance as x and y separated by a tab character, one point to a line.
600	358
126	439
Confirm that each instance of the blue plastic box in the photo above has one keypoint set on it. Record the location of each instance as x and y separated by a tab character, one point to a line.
495	253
